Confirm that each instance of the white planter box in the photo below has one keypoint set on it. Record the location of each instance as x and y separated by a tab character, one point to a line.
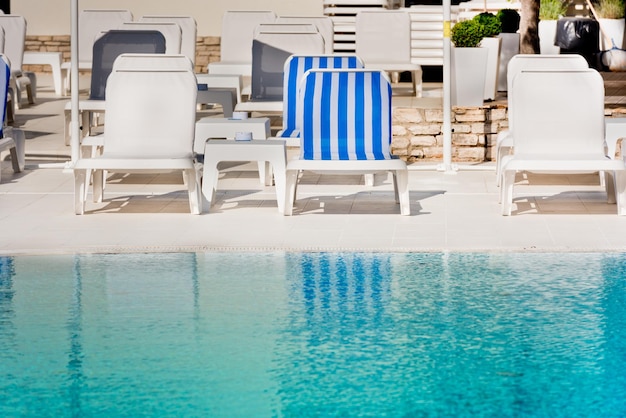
469	66
614	30
547	34
509	48
493	63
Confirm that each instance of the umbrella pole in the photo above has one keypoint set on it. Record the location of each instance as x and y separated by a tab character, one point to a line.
74	125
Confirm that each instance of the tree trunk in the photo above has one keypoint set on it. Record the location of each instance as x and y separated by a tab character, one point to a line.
529	27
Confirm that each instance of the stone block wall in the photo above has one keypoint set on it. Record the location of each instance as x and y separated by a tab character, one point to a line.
207	50
417	133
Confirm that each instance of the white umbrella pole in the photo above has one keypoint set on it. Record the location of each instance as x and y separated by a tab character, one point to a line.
74	125
447	124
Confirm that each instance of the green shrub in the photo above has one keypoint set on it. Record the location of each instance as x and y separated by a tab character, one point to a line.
552	9
490	23
610	9
467	34
509	19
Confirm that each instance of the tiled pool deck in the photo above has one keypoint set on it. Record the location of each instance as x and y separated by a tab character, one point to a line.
450	212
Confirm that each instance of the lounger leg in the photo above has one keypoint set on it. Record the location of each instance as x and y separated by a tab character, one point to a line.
620	190
402	181
291	182
98	185
508	178
395	187
79	191
210	175
193	188
369	179
609	186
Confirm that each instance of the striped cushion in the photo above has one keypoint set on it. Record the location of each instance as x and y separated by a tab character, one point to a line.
346	115
295	67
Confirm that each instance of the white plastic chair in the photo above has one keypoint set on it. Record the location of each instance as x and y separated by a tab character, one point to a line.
91	24
188	28
521	62
171	31
324	25
383	41
14	27
561	132
11	140
145	133
236	43
270	51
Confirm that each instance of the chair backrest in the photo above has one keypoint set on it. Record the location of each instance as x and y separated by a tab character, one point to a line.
346	115
295	67
189	30
238	32
270	50
383	36
114	43
284	28
14	27
5	75
324	24
171	31
144	62
150	113
522	62
558	112
91	24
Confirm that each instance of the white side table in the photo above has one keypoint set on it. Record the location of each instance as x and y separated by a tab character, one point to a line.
615	128
207	128
272	151
53	59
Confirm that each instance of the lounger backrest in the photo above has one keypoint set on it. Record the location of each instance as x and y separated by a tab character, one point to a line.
540	62
295	67
270	51
145	62
91	23
189	30
150	113
284	28
114	43
324	24
346	115
171	31
383	36
14	27
238	32
5	75
568	117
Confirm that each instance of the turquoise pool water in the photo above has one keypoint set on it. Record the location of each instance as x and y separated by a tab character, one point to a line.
313	335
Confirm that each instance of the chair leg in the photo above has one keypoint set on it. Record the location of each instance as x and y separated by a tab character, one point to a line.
79	191
193	188
508	179
98	185
402	189
620	192
609	186
291	183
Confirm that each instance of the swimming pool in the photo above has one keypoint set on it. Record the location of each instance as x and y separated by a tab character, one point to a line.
313	334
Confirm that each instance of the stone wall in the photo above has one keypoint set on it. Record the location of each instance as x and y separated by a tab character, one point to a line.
417	133
207	50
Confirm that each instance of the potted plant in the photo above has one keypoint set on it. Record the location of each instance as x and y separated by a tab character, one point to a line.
491	28
469	64
509	21
549	12
611	19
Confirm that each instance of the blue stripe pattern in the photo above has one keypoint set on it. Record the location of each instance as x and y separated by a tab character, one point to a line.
5	75
346	115
295	67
